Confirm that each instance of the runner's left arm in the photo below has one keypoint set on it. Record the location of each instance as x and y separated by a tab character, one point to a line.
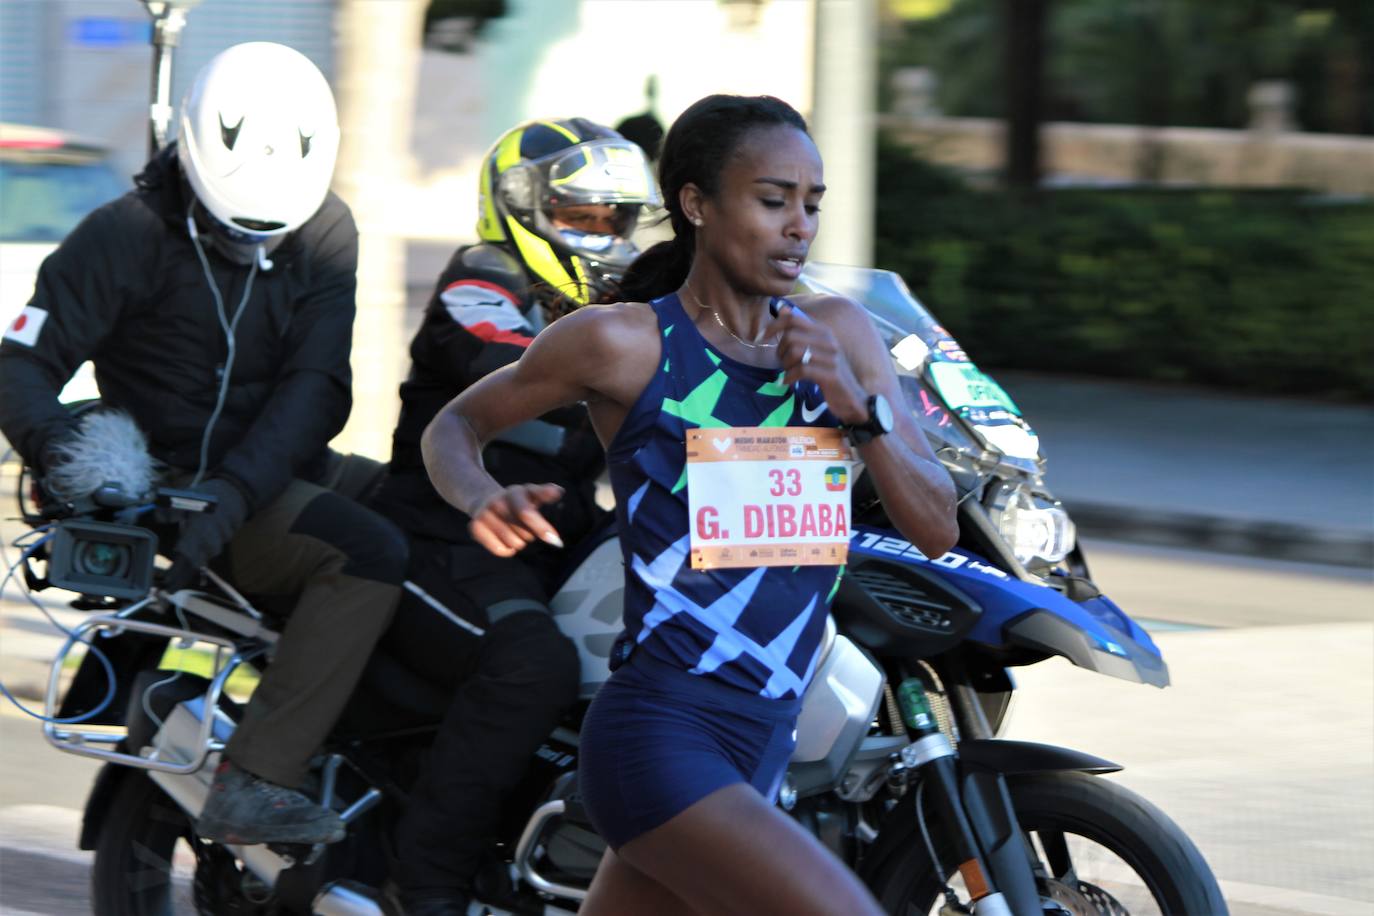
848	361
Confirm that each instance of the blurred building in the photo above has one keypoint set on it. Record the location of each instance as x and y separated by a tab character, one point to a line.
86	65
417	117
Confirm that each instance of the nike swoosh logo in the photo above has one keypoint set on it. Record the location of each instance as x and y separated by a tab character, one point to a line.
809	415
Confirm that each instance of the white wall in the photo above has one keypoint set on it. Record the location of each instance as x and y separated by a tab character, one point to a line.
597	64
592	59
86	65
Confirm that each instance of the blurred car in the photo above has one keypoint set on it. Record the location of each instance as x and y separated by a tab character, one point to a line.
49	180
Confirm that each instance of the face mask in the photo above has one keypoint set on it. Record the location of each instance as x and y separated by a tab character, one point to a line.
242	252
232	244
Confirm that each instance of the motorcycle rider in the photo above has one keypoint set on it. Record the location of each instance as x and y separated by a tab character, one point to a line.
216	300
559	200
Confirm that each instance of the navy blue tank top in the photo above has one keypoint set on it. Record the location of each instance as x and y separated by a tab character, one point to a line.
758	629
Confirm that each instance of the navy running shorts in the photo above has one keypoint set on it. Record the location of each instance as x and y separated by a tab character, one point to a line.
657	740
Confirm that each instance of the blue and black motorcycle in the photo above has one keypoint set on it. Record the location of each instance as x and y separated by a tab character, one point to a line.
898	766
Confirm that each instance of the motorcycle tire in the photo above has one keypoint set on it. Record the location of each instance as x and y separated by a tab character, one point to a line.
149	862
1150	856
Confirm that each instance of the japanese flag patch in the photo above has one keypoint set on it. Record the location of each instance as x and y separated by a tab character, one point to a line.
24	329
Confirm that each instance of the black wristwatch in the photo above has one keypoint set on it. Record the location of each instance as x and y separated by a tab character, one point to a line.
879	423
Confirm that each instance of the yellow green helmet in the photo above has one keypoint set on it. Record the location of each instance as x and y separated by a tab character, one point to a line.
565	197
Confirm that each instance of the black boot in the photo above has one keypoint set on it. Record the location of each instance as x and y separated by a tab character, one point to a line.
243	809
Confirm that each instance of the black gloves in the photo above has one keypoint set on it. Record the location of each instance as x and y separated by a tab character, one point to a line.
204	535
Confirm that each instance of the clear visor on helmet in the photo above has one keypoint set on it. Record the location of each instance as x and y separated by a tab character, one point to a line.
593	196
600	172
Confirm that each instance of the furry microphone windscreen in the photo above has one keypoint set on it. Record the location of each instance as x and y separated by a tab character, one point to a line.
108	448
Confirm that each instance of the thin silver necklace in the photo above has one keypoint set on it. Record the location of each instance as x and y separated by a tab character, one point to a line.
701	307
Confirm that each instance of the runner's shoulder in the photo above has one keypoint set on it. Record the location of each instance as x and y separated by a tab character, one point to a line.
609	331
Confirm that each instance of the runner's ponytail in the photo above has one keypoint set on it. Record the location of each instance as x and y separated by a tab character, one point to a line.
659	270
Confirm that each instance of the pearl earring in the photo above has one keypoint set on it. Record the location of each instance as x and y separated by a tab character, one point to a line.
697	221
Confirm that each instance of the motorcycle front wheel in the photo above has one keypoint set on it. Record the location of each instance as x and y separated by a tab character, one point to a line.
1105	851
149	862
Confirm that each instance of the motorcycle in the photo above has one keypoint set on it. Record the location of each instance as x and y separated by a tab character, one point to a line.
898	768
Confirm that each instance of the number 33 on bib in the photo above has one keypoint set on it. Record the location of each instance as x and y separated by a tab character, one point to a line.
768	497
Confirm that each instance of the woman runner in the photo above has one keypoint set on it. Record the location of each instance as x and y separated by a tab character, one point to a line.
684	748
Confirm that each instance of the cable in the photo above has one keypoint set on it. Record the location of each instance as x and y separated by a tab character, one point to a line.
147	694
951	898
71	638
229	326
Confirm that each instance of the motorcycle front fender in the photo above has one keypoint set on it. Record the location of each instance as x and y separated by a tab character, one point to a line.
980	756
1010	758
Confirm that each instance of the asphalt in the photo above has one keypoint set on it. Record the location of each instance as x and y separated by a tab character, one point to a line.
1273	780
1278	478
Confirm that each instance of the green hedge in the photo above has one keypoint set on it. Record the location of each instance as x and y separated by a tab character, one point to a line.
1258	291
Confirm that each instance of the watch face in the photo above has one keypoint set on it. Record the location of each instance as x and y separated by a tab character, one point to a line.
882	412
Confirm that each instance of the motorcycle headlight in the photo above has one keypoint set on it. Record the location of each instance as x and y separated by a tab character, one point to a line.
1034	529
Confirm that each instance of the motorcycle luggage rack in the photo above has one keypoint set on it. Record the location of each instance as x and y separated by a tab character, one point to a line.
526	848
87	742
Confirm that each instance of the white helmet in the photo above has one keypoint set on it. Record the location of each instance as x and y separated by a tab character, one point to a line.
259	136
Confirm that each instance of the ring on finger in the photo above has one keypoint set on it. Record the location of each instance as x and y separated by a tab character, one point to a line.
806	356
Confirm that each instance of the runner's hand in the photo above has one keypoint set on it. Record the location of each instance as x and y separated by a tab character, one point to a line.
510	519
826	365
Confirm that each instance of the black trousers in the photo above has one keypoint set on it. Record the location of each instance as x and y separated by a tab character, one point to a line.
335	569
511	684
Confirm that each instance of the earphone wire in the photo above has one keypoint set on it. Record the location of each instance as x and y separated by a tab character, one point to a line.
229	326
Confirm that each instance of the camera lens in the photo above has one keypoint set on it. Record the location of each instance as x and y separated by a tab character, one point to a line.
100	558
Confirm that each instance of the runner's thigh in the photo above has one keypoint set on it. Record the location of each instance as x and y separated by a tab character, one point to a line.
733	853
619	889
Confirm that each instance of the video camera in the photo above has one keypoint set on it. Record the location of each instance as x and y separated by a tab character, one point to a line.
113	558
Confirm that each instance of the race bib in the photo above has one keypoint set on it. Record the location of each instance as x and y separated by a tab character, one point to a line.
768	497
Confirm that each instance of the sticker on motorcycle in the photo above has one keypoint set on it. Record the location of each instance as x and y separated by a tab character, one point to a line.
982	403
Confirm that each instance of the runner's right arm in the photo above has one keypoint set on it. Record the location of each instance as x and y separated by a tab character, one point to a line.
581	357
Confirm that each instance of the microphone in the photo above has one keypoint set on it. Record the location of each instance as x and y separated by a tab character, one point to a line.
191	227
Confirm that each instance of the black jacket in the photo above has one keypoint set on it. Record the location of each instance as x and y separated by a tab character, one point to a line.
480	318
126	290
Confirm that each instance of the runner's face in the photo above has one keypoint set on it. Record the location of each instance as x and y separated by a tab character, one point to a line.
760	224
591	219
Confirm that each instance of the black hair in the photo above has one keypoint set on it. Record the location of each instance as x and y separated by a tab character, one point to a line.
695	151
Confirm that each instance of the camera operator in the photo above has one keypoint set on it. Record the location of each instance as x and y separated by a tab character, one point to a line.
216	300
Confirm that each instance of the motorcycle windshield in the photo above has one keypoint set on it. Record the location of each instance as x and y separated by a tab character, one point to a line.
954	400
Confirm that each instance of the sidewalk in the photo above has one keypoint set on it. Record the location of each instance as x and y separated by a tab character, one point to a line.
1274	782
1270	477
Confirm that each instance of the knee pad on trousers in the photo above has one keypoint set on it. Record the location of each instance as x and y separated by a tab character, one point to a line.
372	547
529	646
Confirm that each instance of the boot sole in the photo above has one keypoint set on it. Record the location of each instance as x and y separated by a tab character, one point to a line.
238	835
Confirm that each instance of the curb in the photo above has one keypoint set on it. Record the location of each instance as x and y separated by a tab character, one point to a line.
1271	540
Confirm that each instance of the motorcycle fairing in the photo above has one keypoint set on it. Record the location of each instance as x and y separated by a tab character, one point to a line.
923	347
1093	634
588	609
